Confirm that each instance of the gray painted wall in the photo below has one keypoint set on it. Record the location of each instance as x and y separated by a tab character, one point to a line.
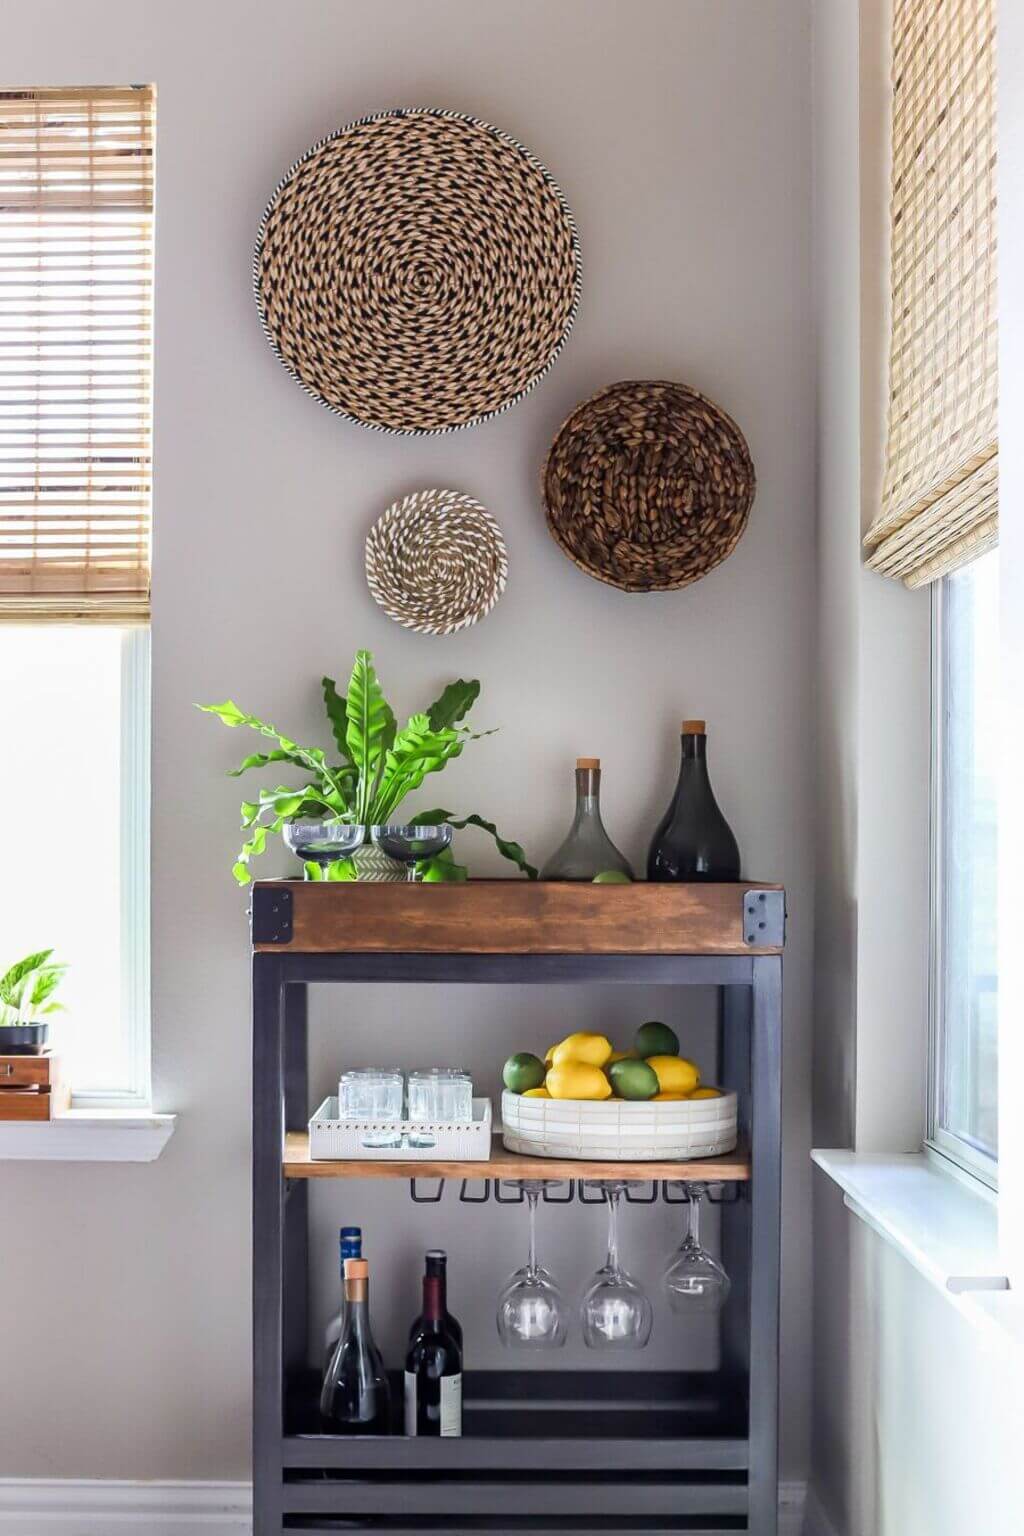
680	133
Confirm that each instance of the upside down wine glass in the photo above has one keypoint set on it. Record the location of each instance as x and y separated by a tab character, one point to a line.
695	1281
616	1312
531	1311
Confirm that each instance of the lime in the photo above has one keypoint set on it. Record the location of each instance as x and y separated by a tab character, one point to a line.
522	1071
654	1039
611	877
633	1079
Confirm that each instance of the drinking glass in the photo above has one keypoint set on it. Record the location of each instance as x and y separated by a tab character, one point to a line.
411	844
531	1311
616	1311
373	1093
695	1282
440	1094
323	842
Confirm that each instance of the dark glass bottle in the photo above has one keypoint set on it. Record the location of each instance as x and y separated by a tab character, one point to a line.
436	1263
433	1369
350	1246
693	840
356	1397
588	850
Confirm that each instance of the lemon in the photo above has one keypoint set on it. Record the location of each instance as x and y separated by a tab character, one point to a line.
536	1093
705	1093
662	1098
595	1050
675	1073
620	1056
578	1080
549	1053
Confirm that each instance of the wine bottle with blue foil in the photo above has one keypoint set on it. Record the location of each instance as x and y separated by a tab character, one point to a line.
350	1246
693	840
356	1395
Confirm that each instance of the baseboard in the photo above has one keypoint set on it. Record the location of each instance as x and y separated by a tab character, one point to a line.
81	1507
88	1507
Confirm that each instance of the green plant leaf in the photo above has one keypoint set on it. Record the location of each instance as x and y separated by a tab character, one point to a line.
508	849
455	702
261	759
369	730
11	983
229	712
417	751
45	981
342	869
337	714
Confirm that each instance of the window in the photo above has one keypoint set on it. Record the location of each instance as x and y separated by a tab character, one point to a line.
963	1110
76	278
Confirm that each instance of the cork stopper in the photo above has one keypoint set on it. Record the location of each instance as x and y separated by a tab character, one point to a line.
588	762
357	1278
694	727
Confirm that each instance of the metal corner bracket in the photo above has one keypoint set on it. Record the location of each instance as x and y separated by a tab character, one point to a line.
271	914
764	919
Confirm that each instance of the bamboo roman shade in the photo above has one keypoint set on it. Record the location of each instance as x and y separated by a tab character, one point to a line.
76	280
939	504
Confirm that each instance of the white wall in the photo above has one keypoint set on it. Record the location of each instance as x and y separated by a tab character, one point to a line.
916	1416
680	134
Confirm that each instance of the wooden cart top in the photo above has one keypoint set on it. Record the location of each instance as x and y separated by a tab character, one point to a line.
518	917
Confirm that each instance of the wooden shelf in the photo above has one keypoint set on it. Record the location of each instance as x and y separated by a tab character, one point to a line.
298	1164
516	917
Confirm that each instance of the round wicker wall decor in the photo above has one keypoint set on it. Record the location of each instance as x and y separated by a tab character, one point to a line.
436	562
648	486
417	271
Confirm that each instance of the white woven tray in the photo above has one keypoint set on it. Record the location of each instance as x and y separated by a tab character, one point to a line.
614	1128
331	1139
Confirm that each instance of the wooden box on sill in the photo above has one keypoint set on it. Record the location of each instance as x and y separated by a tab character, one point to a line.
32	1087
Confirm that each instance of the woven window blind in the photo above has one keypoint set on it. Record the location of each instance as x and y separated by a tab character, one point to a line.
939	505
76	280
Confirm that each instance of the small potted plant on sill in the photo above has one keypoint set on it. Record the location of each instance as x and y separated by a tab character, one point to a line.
342	820
26	1003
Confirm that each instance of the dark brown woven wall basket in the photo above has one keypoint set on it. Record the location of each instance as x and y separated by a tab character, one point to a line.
417	271
648	486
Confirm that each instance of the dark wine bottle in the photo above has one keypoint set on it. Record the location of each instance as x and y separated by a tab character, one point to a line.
433	1369
356	1397
693	840
436	1263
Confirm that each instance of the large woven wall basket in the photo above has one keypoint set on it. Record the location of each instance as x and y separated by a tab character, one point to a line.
648	486
417	271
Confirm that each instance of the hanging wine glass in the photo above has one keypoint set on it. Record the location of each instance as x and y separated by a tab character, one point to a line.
531	1311
695	1281
616	1311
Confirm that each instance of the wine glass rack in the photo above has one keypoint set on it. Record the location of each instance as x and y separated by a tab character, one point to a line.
580	1453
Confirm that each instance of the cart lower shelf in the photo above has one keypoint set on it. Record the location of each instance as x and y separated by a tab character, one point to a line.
535	1443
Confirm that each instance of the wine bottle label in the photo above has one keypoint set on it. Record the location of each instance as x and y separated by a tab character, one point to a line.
451	1405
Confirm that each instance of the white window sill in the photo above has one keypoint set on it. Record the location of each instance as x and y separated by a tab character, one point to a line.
88	1136
945	1228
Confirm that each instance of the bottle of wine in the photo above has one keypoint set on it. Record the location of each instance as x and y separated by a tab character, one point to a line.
433	1368
436	1264
350	1246
356	1397
588	850
693	840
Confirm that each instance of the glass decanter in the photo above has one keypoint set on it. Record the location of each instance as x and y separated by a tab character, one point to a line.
588	850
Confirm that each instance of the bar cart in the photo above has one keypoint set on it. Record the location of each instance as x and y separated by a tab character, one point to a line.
582	1452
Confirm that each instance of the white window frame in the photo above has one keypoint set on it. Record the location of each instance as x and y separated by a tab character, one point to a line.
938	1141
134	818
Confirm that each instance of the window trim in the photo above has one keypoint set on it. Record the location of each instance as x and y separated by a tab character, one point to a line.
134	811
954	1149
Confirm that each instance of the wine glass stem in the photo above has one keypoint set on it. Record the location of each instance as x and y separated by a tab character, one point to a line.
531	1201
612	1196
696	1196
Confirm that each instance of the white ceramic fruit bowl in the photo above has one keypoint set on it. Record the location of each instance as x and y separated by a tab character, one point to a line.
611	1129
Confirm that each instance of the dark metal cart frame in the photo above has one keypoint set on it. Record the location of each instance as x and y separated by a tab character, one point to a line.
704	1484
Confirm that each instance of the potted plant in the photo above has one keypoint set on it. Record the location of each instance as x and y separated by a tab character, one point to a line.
26	1002
348	807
